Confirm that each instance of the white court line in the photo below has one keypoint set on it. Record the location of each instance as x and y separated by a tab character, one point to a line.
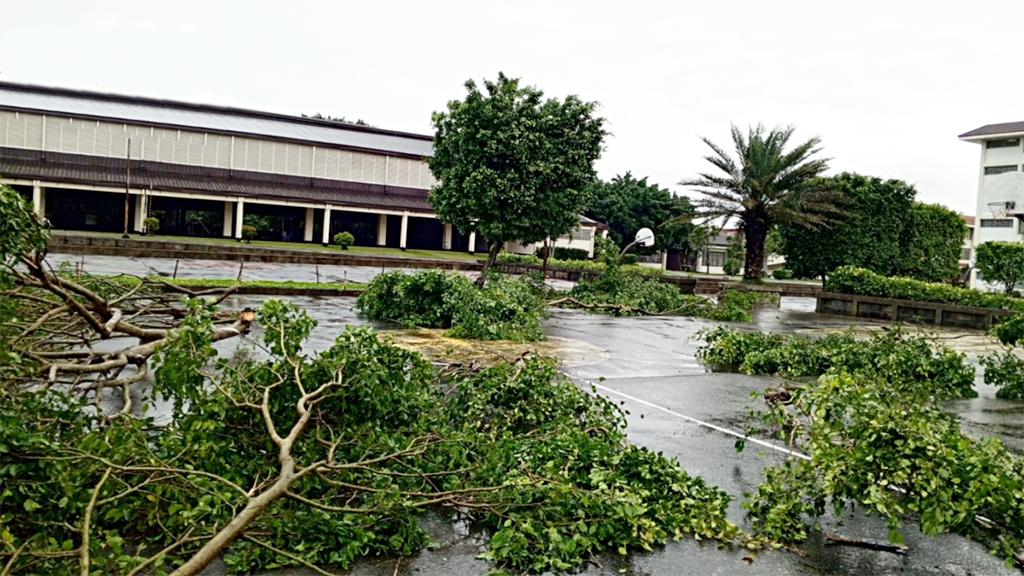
700	422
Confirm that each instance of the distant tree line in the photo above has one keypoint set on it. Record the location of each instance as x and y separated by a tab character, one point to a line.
340	119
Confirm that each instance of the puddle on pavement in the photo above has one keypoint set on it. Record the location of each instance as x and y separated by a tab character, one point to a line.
434	345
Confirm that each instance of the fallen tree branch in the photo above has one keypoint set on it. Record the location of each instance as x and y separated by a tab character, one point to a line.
870	545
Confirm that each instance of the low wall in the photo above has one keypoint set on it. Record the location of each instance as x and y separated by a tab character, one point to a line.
893	310
155	248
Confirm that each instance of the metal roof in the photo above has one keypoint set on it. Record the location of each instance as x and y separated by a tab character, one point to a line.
148	111
90	170
994	129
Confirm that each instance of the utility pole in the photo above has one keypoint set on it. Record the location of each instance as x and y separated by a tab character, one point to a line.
127	185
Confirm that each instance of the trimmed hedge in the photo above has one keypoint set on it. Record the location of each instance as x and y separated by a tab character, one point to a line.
863	282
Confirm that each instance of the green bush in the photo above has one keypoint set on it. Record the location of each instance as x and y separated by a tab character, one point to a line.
513	258
249	233
605	249
782	274
344	239
630	259
561	253
852	280
893	355
151	225
1006	371
505	309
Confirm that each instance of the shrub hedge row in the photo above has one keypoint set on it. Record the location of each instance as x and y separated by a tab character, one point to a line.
862	282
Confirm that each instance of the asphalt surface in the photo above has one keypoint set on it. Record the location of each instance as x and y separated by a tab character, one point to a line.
677	407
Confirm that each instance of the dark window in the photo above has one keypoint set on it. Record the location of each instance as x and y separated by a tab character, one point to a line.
965	254
992	223
716	259
1005	143
990	170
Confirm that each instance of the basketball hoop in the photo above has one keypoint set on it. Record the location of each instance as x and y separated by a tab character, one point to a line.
999	210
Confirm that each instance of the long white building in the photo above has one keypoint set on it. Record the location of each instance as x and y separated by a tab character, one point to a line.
1000	207
201	170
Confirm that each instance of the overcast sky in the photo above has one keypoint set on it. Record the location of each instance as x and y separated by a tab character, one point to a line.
887	85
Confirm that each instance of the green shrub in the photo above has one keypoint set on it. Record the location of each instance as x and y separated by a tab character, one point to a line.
630	259
561	253
513	258
901	359
852	280
505	309
249	233
782	274
151	225
1006	371
344	239
605	249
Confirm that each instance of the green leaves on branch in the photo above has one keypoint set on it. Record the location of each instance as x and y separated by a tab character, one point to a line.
904	361
505	309
1006	371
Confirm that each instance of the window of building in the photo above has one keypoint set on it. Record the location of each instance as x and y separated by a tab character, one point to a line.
990	170
1004	143
965	254
715	259
582	234
994	223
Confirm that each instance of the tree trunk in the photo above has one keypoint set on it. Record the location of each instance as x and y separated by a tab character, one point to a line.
492	255
755	232
544	267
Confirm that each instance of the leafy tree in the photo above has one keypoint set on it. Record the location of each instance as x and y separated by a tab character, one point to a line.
513	166
699	239
867	234
339	119
733	255
766	184
1001	263
627	204
930	243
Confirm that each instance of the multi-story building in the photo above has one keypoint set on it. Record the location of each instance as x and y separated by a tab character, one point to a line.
201	170
967	250
1000	206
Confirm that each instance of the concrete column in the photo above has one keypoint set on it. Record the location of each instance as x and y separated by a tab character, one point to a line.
472	242
140	212
39	199
405	230
239	217
307	227
229	219
382	230
446	243
327	225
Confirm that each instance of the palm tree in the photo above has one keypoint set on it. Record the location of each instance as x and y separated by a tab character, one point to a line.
765	185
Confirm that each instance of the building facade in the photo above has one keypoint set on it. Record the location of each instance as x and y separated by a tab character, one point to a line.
1000	205
207	170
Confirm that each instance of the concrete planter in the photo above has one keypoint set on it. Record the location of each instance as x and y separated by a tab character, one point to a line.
893	310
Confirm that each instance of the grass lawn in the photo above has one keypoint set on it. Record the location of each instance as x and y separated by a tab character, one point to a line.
372	250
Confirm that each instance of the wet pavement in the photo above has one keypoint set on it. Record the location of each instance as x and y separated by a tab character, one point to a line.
675	406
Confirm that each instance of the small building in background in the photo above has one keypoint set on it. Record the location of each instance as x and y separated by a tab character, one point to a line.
1000	205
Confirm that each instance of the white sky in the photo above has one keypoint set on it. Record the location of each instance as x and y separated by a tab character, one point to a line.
887	85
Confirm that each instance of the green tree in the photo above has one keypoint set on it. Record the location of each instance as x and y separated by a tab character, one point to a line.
733	255
339	119
766	184
512	165
627	204
930	243
867	233
1001	263
699	239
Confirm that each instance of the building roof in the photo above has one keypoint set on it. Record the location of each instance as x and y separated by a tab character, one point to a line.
591	222
22	164
184	115
995	129
969	220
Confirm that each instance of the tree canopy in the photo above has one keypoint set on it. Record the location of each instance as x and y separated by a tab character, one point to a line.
339	119
930	243
512	165
1001	263
867	234
627	204
767	183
